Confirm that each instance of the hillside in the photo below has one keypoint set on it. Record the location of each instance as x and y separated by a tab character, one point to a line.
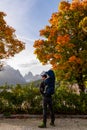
11	76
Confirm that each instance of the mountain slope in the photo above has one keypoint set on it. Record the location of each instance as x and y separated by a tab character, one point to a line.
30	77
11	76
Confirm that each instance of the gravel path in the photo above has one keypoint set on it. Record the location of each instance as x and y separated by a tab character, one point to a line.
32	124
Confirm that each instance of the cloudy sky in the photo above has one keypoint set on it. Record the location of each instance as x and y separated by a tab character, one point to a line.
27	17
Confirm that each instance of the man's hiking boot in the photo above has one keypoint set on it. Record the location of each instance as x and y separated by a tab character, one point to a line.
42	125
52	124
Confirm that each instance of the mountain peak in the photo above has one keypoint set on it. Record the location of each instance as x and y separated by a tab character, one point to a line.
30	77
11	76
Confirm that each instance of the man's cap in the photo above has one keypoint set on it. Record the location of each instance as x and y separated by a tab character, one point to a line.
44	75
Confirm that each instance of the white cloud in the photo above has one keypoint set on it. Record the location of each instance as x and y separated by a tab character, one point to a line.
27	40
33	62
19	14
34	68
26	61
23	57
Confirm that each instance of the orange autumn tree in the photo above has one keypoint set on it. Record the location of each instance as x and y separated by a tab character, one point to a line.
64	43
9	44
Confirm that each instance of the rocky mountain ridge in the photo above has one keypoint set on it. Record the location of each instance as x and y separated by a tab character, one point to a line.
10	76
30	77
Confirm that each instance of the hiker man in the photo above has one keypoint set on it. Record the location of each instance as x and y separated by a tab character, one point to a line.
47	87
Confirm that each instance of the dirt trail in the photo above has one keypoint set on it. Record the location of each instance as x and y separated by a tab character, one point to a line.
32	124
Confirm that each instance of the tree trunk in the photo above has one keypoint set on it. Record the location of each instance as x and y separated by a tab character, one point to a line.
81	82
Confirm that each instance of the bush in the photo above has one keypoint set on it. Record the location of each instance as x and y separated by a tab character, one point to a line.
68	102
28	100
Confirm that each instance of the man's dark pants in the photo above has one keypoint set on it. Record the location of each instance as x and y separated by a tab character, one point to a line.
47	101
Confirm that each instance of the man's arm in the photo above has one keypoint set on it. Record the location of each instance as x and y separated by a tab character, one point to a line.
42	87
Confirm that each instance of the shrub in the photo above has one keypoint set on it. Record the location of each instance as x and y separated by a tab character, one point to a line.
28	100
